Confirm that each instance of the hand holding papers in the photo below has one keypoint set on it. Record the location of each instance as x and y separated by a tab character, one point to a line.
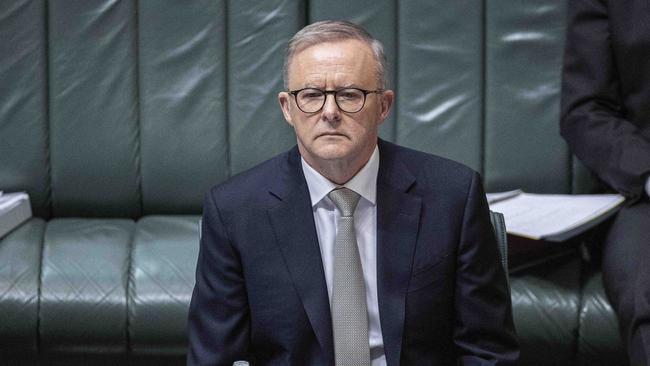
552	217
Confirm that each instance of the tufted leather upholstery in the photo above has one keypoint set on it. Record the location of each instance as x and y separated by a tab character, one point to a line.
116	116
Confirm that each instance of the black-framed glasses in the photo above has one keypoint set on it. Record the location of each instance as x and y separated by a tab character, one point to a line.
349	100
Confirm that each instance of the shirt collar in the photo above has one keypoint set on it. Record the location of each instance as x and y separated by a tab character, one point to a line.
364	182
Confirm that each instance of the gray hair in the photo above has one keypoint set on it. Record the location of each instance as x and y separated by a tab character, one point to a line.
332	31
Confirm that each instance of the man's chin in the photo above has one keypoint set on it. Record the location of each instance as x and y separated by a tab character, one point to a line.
331	149
332	154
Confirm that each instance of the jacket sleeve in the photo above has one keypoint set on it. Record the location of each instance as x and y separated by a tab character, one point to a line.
593	117
219	320
484	333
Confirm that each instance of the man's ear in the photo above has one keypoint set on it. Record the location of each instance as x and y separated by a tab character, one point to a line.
387	98
285	104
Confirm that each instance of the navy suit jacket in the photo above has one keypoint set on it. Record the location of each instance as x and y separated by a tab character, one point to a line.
261	294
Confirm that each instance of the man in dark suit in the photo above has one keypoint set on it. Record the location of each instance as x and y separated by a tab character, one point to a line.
606	121
348	250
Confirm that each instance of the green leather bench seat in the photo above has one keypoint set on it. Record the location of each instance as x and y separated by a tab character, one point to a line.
598	344
83	286
161	279
115	289
20	265
545	303
97	286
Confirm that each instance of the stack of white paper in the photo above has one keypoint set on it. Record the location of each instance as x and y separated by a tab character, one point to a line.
14	210
554	217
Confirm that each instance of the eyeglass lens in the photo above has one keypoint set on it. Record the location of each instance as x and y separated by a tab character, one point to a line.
349	100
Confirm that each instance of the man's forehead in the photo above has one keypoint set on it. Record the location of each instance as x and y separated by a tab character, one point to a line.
346	60
340	80
336	49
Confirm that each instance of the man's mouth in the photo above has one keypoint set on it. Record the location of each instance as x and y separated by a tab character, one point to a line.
326	134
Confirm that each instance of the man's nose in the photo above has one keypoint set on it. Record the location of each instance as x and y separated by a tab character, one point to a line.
331	111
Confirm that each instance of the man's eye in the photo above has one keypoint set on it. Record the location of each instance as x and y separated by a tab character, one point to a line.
348	95
310	94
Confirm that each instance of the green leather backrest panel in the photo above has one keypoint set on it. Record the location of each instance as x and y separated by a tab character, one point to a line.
23	110
121	109
523	147
182	93
439	78
378	17
258	32
93	108
583	180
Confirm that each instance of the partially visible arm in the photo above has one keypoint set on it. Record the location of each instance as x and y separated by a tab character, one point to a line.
593	119
219	322
484	333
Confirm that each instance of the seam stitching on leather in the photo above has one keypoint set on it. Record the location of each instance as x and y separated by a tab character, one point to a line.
138	110
39	290
49	194
128	286
226	89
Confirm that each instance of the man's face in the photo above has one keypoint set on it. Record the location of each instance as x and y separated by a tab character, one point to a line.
331	134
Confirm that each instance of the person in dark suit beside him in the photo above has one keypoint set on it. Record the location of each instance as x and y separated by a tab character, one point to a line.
348	250
606	121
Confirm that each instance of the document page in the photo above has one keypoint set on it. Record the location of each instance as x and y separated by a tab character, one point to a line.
536	216
14	210
502	196
10	200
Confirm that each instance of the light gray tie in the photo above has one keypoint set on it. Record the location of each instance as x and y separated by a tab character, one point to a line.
349	308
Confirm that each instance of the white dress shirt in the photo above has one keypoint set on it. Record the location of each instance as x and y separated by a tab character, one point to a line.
365	223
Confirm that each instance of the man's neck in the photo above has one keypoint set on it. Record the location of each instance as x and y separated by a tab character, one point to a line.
339	171
363	183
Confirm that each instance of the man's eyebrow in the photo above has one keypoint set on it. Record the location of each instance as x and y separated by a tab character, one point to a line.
346	86
349	85
319	86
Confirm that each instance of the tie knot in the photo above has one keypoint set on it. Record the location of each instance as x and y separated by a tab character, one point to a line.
345	199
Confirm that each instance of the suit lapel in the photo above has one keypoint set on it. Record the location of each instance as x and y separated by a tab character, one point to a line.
398	219
295	231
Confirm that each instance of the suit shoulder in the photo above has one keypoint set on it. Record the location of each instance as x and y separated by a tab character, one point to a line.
249	187
433	169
